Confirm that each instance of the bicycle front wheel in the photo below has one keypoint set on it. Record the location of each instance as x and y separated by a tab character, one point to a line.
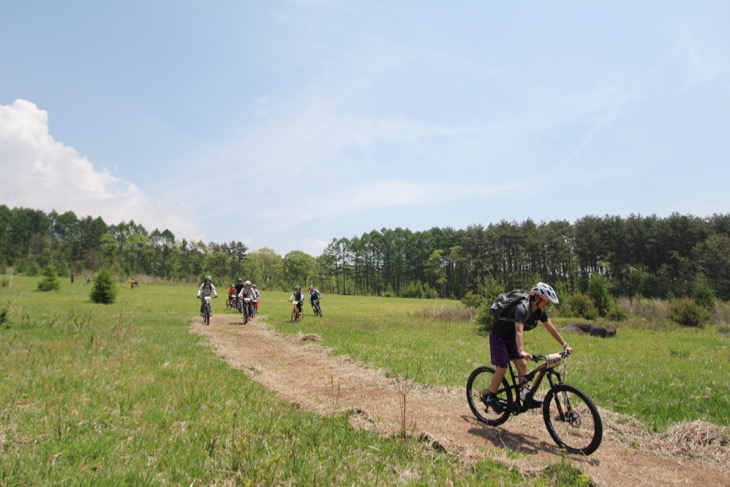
477	386
572	419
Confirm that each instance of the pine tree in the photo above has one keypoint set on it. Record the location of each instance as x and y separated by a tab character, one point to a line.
50	280
105	288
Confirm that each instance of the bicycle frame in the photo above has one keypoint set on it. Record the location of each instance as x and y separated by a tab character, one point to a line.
544	369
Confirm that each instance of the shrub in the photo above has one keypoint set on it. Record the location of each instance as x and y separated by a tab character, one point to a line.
617	313
703	293
598	291
50	280
581	306
687	312
104	290
5	316
418	290
472	300
484	317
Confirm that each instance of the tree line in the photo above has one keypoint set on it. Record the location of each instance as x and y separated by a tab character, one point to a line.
637	255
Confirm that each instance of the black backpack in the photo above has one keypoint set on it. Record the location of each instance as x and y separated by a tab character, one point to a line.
505	302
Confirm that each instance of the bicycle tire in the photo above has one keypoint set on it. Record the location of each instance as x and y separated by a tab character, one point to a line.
206	315
572	419
246	313
478	382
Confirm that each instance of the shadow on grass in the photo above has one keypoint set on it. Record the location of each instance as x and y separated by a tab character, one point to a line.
527	444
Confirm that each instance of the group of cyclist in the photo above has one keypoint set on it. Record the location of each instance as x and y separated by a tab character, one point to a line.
246	290
297	300
242	290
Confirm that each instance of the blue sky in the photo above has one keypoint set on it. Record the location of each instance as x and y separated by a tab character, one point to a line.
287	123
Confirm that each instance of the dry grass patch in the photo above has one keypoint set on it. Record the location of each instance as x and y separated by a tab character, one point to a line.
446	313
698	440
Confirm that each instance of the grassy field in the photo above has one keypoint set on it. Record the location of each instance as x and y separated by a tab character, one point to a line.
124	394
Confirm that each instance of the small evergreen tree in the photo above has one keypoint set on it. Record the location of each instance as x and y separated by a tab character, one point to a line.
598	288
703	293
50	281
484	319
105	288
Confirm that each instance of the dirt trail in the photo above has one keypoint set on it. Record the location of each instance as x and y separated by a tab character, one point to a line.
306	374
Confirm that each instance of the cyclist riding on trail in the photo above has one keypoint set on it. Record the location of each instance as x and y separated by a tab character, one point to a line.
314	296
249	293
207	289
257	297
507	340
297	298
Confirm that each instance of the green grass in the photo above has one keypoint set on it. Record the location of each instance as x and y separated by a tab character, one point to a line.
657	375
124	394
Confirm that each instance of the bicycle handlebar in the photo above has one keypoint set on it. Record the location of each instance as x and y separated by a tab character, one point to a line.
537	358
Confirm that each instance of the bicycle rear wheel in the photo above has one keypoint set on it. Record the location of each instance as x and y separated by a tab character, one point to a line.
477	386
572	419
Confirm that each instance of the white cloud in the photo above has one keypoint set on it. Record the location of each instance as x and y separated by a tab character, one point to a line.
38	172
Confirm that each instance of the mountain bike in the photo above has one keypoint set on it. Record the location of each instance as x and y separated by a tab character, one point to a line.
247	309
206	310
296	313
317	309
570	416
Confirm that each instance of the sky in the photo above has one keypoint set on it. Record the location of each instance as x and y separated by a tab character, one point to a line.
285	124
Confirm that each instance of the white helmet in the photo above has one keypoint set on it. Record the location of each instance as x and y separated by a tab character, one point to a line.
247	283
545	290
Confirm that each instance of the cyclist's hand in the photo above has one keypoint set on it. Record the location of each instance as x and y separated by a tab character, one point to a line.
568	350
526	356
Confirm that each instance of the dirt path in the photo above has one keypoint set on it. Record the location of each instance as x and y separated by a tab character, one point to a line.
305	373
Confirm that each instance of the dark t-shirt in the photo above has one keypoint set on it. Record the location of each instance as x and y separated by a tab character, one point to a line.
521	313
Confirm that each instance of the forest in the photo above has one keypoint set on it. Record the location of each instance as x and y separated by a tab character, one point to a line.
646	256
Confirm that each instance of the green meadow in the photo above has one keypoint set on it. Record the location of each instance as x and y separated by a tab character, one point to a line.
124	394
